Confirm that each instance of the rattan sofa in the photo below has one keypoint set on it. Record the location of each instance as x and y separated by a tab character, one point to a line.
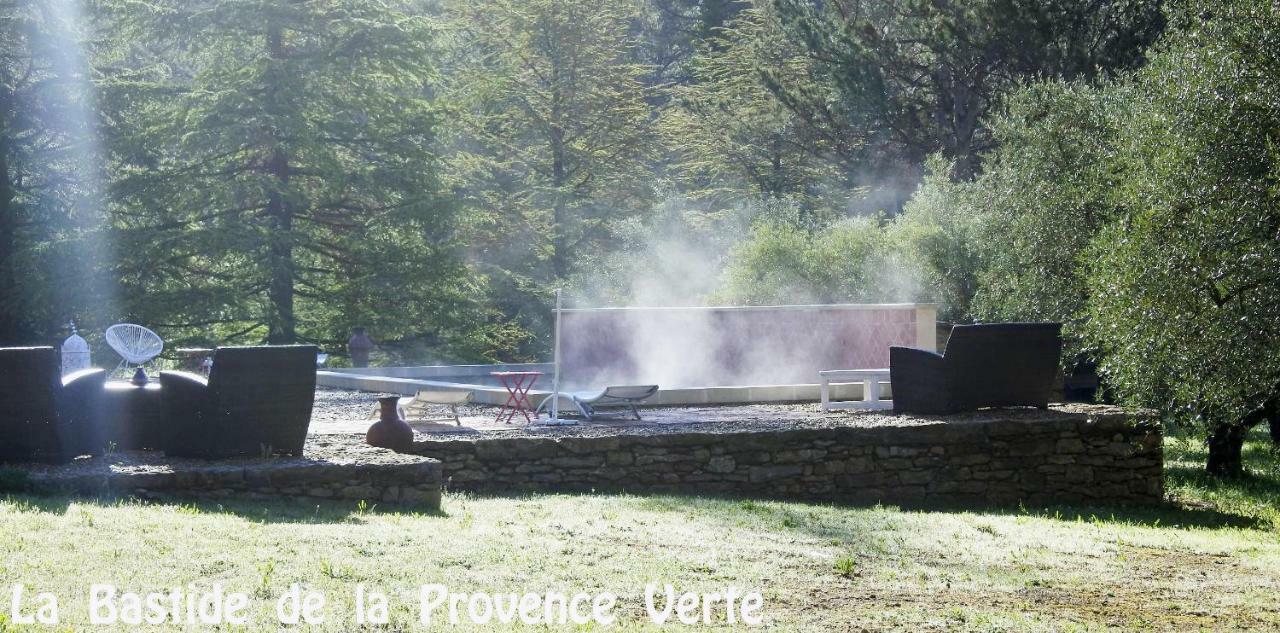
45	417
986	365
256	402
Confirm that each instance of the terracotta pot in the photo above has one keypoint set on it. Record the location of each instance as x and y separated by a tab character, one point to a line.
390	431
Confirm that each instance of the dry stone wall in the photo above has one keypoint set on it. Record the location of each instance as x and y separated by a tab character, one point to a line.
334	467
1076	454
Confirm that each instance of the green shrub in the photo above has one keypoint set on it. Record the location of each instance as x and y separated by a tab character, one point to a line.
13	480
852	260
1047	192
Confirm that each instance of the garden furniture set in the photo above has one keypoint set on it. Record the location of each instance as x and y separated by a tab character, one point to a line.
984	365
256	402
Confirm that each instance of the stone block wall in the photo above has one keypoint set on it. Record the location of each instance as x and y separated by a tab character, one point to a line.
1070	454
333	469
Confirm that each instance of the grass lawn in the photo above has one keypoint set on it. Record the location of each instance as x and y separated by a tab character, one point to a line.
1211	559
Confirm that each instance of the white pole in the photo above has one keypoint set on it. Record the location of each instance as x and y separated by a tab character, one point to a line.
555	376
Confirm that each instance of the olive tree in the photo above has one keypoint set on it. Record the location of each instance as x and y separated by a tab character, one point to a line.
1046	193
1185	287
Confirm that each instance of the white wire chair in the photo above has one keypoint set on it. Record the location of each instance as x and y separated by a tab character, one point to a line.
135	344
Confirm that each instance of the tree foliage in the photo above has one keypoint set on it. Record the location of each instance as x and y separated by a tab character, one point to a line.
552	140
1046	192
785	260
52	260
277	175
734	140
940	235
917	77
555	125
1185	284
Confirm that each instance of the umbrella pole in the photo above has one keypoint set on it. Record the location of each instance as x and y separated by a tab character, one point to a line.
555	371
555	376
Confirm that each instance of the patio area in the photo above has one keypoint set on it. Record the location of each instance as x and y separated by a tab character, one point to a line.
1067	453
340	411
335	467
793	451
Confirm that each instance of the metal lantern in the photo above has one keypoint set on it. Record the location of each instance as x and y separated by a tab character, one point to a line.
75	353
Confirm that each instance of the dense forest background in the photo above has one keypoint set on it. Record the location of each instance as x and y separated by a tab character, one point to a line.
237	171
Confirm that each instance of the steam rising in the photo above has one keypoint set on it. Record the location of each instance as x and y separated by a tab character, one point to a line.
688	259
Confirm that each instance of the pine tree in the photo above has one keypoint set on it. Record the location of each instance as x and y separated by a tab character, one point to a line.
277	178
51	224
732	137
555	126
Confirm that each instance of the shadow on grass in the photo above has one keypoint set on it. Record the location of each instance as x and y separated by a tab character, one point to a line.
1255	494
285	510
792	513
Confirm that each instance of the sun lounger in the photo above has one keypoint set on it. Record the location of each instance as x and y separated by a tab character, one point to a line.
416	409
616	396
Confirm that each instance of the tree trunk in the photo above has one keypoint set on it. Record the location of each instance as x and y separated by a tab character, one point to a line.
1227	441
9	320
282	328
1225	445
281	325
559	236
1274	423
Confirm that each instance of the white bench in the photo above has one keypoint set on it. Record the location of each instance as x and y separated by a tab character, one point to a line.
870	379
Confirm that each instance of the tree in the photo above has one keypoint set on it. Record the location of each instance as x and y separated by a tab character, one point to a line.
734	139
917	77
53	262
1046	192
672	31
787	260
551	141
940	239
276	177
554	105
14	62
1184	285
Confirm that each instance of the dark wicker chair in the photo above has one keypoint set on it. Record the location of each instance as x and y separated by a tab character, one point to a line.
45	417
987	365
256	402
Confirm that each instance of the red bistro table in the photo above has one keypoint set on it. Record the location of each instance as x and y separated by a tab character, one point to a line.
518	384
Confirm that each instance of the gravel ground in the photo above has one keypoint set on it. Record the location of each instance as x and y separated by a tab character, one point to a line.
340	411
342	405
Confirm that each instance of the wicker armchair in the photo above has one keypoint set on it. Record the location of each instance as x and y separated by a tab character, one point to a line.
45	417
988	365
256	402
